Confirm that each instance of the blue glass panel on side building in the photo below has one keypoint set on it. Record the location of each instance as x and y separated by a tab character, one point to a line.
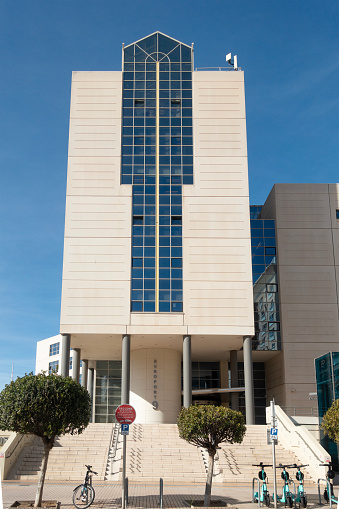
264	270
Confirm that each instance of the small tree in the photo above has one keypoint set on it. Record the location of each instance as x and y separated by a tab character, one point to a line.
45	406
330	422
208	426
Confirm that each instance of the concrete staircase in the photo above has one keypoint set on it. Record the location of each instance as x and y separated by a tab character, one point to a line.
155	451
68	456
235	460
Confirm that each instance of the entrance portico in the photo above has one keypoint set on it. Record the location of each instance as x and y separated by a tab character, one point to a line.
151	368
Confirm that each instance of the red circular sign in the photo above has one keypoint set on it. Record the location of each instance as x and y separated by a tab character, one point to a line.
125	414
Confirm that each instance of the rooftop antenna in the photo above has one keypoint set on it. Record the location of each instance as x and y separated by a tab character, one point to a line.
235	61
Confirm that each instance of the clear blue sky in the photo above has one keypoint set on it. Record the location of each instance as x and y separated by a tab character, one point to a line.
288	50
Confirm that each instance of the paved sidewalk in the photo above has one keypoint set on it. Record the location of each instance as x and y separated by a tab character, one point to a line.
108	495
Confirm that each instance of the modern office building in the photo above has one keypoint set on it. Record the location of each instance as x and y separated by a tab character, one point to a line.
157	254
174	289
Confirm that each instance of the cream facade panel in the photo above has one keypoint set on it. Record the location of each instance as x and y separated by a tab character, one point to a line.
96	274
94	176
218	176
216	237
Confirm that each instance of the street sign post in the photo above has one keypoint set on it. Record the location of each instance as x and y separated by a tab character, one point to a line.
125	415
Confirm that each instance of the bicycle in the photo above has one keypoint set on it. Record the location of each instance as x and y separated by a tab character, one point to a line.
287	496
83	495
330	475
301	497
264	494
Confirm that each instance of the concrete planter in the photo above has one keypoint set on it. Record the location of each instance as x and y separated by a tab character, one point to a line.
28	504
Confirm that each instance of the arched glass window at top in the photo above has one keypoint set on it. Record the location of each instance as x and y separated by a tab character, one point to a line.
157	160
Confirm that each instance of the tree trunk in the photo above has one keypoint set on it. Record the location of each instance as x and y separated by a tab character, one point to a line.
208	488
38	496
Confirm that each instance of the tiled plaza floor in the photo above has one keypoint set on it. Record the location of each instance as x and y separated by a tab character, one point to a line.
108	495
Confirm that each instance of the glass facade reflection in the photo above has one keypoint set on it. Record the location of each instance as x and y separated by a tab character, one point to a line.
157	160
259	391
107	390
327	377
205	375
265	282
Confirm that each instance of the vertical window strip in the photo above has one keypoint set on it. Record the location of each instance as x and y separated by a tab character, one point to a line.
157	194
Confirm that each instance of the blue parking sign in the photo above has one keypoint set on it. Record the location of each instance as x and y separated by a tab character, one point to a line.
124	429
274	433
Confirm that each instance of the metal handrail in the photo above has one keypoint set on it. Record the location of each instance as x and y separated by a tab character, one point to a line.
218	68
115	443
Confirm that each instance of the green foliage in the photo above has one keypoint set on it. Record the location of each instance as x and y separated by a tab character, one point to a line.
207	426
330	422
45	406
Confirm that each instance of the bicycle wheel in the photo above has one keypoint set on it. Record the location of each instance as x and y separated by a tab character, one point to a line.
289	501
267	500
83	496
303	501
326	497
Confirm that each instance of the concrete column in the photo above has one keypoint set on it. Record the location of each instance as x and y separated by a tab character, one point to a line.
76	364
187	371
248	375
65	348
125	369
234	379
84	372
90	381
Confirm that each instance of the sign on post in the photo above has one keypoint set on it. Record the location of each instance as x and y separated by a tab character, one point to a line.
274	433
125	414
124	429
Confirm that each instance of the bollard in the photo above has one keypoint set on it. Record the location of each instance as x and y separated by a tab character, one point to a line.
161	494
126	491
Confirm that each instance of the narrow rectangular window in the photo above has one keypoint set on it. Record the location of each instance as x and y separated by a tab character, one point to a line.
176	220
337	213
139	103
137	220
53	367
54	349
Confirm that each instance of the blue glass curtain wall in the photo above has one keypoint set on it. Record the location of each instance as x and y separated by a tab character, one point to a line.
327	377
265	283
157	160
